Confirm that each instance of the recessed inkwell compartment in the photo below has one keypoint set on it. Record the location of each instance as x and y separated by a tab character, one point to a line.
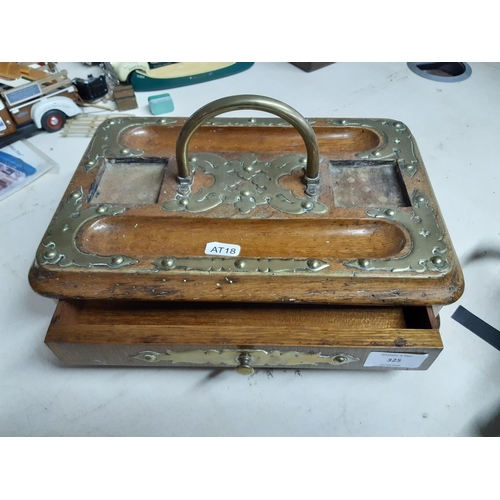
134	181
366	184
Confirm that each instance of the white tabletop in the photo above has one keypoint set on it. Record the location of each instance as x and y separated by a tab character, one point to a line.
456	126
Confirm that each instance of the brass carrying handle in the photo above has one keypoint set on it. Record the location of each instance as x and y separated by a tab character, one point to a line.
255	102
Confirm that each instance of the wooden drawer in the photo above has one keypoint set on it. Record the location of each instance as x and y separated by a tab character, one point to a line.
243	336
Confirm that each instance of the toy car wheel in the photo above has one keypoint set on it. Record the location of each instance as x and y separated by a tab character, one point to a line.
53	120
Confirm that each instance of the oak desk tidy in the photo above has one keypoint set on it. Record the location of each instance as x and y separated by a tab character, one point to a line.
248	242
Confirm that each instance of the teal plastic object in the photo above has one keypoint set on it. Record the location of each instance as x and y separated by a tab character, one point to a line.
161	104
144	83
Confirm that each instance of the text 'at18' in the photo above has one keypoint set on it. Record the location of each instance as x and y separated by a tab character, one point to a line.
216	248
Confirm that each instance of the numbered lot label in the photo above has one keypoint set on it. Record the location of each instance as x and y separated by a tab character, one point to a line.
222	249
395	360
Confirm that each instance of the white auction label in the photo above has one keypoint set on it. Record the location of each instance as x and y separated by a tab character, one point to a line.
222	249
395	359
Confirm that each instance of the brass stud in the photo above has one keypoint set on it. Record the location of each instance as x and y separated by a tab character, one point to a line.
75	194
240	264
125	151
50	254
245	192
117	260
163	121
184	202
102	209
112	122
193	159
437	261
90	163
167	262
339	359
364	263
307	205
420	199
303	160
389	212
313	264
252	120
149	357
248	168
377	153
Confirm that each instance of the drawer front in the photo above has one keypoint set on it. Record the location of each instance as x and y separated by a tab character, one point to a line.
243	338
245	361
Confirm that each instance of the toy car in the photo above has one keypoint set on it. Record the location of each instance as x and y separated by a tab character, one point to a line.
148	76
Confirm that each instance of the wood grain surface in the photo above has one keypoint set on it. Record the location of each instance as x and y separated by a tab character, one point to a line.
104	332
146	232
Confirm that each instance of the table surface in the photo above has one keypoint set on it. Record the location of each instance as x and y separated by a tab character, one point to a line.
455	126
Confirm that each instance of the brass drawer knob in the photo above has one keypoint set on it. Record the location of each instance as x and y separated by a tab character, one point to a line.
244	367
